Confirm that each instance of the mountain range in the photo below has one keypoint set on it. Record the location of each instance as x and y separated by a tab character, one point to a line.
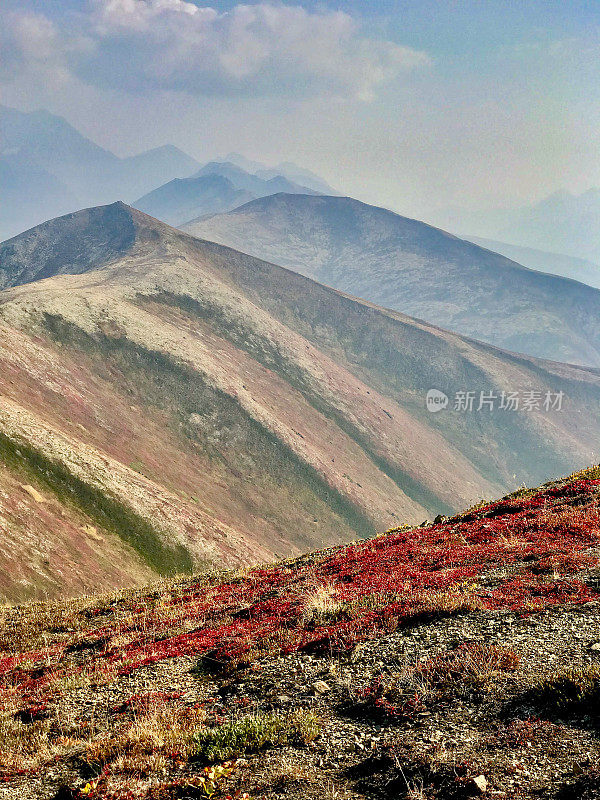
168	403
218	186
417	269
287	169
48	168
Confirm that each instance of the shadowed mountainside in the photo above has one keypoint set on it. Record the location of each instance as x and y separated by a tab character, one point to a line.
178	403
419	270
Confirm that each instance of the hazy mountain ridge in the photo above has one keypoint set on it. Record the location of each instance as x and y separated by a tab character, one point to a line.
183	199
578	269
215	188
289	170
563	222
83	172
420	270
259	187
48	168
242	410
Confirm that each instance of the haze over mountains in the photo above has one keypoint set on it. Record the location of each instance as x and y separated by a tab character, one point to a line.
579	269
48	168
563	223
183	199
167	402
417	269
218	186
289	170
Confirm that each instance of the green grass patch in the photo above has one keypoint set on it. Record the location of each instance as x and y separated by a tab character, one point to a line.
256	732
106	511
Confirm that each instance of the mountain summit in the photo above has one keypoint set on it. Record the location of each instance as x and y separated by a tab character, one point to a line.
419	270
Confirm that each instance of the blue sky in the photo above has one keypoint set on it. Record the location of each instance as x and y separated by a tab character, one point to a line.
421	106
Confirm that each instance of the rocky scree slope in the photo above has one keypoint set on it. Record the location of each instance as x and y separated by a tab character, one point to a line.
449	661
188	405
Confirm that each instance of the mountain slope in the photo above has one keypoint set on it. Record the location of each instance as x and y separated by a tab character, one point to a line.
577	269
239	410
184	199
450	661
419	270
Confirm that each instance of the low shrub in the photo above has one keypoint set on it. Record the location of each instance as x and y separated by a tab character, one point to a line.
255	732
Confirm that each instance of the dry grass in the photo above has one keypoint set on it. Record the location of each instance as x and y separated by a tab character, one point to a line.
320	605
141	747
470	669
569	691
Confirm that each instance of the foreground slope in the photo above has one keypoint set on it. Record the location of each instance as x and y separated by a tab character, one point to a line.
448	661
419	270
233	410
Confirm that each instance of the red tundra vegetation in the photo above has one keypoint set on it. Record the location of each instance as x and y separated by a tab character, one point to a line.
524	553
537	541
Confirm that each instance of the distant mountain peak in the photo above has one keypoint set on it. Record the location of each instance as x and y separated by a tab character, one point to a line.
419	270
241	161
72	171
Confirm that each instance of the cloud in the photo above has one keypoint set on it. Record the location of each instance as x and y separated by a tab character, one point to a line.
250	50
31	42
33	47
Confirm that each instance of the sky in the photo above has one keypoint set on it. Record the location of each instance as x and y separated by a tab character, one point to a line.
418	105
